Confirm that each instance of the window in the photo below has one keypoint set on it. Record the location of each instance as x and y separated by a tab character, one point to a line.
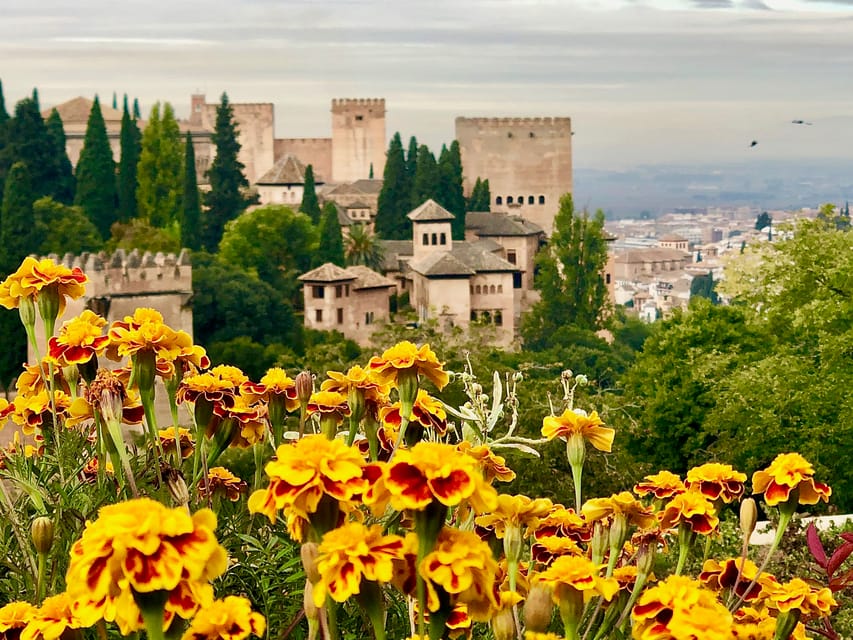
434	239
479	289
541	199
607	278
339	291
318	292
359	118
340	315
318	315
346	290
443	238
532	135
473	316
499	200
472	291
511	256
425	239
500	288
516	280
486	316
531	200
492	289
520	199
509	199
499	318
368	317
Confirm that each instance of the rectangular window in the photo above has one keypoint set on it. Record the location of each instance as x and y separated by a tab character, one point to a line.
511	257
607	278
346	290
368	317
516	280
340	316
319	292
339	291
318	315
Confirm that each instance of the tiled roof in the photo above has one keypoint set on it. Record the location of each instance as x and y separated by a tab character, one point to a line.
368	186
484	223
672	237
358	205
487	244
396	253
367	278
441	263
652	254
464	259
480	260
430	211
77	111
327	272
286	170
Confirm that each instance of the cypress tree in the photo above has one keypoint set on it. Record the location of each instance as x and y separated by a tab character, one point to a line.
96	174
412	160
331	247
36	98
225	200
64	186
137	114
4	120
160	172
28	141
130	141
115	101
391	222
480	199
192	209
4	115
427	178
19	237
450	193
310	205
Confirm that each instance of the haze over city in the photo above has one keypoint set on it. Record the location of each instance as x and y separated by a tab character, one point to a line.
660	82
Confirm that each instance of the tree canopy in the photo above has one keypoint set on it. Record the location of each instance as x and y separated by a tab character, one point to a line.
395	196
63	189
331	244
96	177
310	204
130	141
160	173
191	215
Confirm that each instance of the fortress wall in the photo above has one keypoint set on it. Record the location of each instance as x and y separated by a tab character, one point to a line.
314	151
255	125
358	138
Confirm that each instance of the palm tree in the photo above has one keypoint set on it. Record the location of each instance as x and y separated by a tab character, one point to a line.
362	246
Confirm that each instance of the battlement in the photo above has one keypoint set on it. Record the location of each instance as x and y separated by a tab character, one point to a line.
343	104
512	121
303	141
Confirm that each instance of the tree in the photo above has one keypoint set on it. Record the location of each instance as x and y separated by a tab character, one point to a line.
480	199
64	186
192	209
704	286
361	246
570	278
160	172
273	242
96	181
412	162
225	200
450	194
137	114
130	141
64	229
310	205
28	141
137	233
427	178
4	115
331	247
394	198
19	237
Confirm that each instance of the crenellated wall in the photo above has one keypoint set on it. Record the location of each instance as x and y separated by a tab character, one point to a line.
358	138
314	151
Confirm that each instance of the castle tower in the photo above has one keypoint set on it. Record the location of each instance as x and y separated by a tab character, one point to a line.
197	111
528	162
431	229
358	138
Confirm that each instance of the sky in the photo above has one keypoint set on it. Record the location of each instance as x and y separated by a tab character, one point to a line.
645	81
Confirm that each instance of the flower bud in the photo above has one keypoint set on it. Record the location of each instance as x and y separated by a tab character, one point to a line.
308	553
566	374
304	382
312	613
49	301
517	376
42	534
27	311
512	543
503	625
575	450
538	608
748	517
582	380
177	487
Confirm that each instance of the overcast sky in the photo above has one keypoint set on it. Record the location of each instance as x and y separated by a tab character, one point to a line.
663	81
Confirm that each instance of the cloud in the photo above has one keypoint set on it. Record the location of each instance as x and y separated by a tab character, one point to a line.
713	4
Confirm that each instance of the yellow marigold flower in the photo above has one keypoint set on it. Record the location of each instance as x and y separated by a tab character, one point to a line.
305	471
185	437
679	608
274	384
427	412
564	522
14	617
51	619
228	619
90	470
626	576
579	574
79	340
789	471
625	504
328	403
35	276
462	566
547	549
434	471
722	574
693	509
493	466
515	512
106	382
539	635
459	623
798	594
145	331
764	629
352	553
221	480
31	411
405	356
143	546
716	481
572	423
249	418
375	392
661	485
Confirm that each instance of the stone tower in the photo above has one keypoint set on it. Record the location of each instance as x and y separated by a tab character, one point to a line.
358	138
528	162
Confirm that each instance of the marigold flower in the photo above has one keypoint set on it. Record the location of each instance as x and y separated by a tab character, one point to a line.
515	511
357	378
137	547
79	340
229	619
539	635
719	575
35	276
693	509
572	423
624	504
679	608
304	472
274	384
328	403
662	485
434	471
576	573
145	331
716	481
564	522
14	617
787	472
185	437
405	356
462	565
492	465
52	619
352	553
221	480
248	420
106	385
427	412
547	549
31	412
90	470
798	594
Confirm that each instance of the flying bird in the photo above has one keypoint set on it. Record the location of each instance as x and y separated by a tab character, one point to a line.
753	143
801	122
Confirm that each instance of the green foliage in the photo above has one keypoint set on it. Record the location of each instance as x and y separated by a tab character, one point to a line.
704	286
160	172
191	215
19	237
361	246
395	196
63	190
4	115
411	163
64	229
425	184
310	205
481	197
450	194
570	277
225	200
331	246
763	220
96	181
273	242
253	358
130	141
139	234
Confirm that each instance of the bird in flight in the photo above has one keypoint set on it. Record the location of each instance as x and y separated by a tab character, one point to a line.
753	143
801	122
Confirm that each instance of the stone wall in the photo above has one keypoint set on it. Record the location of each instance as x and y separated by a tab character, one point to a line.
358	138
526	159
314	151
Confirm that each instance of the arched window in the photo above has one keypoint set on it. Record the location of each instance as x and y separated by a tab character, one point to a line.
492	289
426	238
531	200
499	318
541	199
479	289
499	200
509	199
434	239
443	238
473	316
500	288
472	289
486	317
520	199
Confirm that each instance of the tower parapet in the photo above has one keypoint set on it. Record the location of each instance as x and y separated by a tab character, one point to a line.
358	138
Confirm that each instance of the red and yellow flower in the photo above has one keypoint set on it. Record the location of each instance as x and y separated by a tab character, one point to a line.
736	574
789	472
13	618
564	522
229	619
679	607
36	276
221	481
515	513
574	423
185	440
661	485
619	504
571	574
275	384
329	404
106	386
492	465
407	357
80	339
716	481
427	412
52	619
798	594
691	509
32	412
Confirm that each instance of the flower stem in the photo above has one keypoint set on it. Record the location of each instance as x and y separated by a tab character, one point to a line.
42	573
